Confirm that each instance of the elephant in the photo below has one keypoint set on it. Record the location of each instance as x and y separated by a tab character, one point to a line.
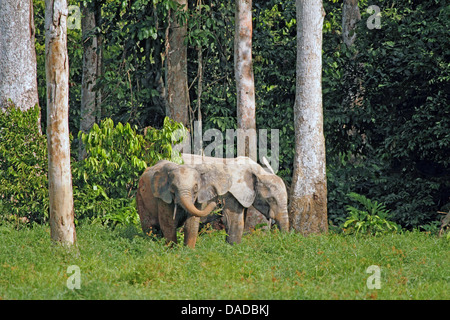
251	185
168	196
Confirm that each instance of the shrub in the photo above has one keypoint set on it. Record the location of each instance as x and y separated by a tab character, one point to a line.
106	181
371	219
23	166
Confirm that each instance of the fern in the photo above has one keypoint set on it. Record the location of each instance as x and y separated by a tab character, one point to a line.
372	218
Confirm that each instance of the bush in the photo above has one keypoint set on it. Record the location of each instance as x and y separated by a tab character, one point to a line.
371	219
105	182
23	166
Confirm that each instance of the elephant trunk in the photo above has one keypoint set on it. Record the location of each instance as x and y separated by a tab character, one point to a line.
282	220
187	203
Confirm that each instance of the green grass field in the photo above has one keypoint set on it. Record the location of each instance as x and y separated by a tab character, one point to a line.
124	264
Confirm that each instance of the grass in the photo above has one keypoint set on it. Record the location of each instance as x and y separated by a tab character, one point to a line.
124	264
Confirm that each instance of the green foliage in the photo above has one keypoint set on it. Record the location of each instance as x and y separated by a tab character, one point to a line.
392	147
23	166
106	181
370	218
116	157
398	135
160	141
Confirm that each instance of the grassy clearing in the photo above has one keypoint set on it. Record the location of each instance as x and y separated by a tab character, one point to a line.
123	264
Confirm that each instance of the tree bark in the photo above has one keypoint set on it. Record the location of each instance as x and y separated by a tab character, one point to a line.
350	16
18	81
90	98
62	228
245	85
308	194
176	69
352	77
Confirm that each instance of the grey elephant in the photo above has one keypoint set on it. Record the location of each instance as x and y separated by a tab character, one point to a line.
251	185
169	195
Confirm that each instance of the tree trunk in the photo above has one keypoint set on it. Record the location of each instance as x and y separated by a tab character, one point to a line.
352	77
176	69
90	98
245	85
308	194
18	81
350	16
62	228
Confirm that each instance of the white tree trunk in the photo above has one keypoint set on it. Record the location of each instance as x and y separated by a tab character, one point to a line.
62	226
18	80
176	70
245	85
308	201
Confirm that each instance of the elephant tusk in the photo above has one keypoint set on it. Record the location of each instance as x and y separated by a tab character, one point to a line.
266	163
174	211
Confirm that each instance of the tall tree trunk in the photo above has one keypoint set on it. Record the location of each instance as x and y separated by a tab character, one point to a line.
352	73
176	69
62	228
350	16
352	77
245	85
18	81
308	194
90	98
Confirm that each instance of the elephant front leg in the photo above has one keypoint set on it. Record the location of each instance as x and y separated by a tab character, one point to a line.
191	231
234	220
167	223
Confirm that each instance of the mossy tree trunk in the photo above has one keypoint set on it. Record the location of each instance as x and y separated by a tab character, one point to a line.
92	65
176	68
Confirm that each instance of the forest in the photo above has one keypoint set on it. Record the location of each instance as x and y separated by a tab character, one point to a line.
141	71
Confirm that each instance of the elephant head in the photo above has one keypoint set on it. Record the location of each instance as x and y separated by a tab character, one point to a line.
187	185
271	199
253	185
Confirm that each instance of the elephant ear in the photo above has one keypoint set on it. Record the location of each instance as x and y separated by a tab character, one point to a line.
214	181
243	184
160	181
